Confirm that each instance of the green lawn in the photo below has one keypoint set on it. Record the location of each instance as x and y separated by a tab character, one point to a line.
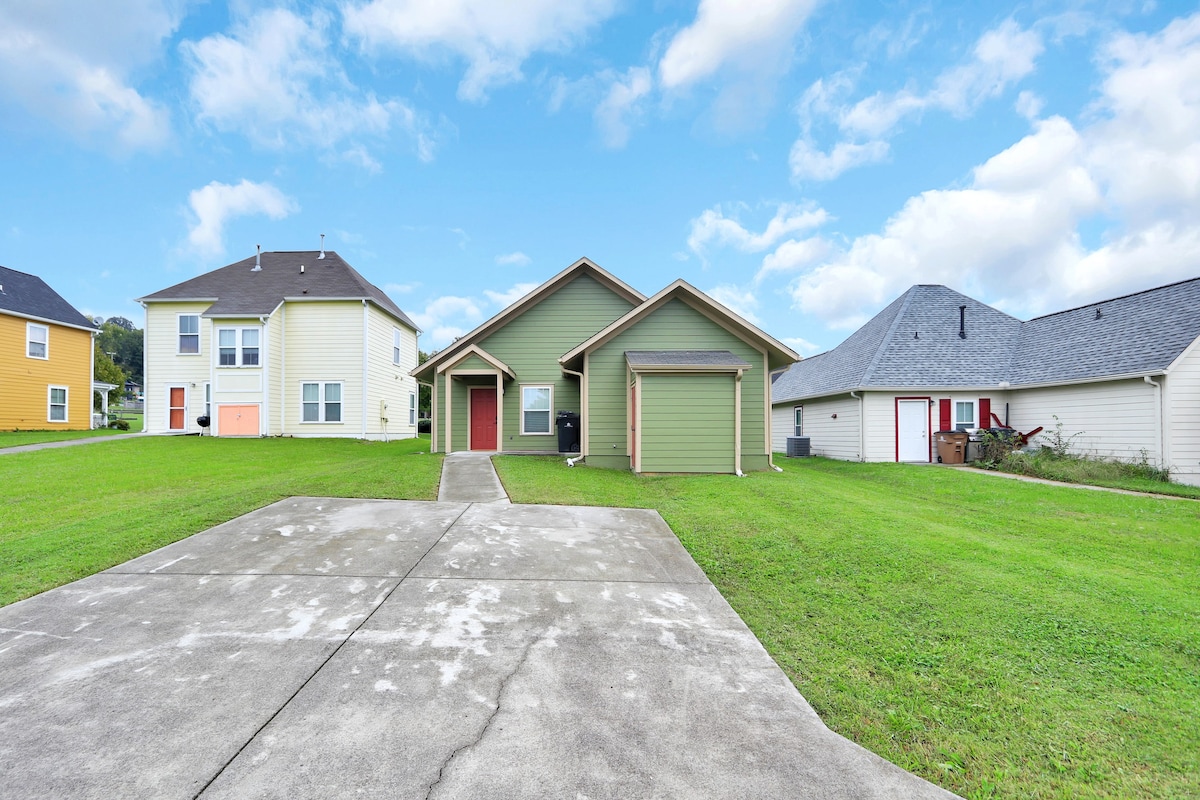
1001	639
18	438
73	511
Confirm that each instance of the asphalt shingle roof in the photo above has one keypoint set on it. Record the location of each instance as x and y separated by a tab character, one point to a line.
29	295
238	290
914	342
684	358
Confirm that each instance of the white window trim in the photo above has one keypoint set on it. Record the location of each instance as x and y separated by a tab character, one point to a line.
66	404
321	401
549	412
954	401
412	408
179	336
30	327
396	346
799	429
238	346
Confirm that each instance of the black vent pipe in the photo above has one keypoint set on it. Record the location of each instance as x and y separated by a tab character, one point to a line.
962	322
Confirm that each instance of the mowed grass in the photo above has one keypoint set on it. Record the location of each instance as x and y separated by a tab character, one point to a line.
70	512
18	438
1000	639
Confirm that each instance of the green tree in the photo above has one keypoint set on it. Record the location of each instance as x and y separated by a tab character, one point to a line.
108	372
124	342
424	392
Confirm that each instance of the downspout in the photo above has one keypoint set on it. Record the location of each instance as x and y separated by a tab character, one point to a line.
862	455
1158	433
283	370
266	371
91	395
737	425
582	439
146	372
366	319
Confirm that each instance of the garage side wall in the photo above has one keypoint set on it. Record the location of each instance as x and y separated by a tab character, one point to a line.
1113	419
1182	401
687	425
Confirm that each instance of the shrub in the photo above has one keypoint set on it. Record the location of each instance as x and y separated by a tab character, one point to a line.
424	425
119	424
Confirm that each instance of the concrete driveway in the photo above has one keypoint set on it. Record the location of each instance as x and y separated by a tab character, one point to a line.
322	648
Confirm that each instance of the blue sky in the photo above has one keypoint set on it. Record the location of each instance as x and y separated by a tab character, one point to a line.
803	162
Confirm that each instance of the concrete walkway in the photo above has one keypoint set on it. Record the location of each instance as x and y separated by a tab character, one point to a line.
29	448
322	648
470	478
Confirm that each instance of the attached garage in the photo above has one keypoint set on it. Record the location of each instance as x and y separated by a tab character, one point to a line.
686	408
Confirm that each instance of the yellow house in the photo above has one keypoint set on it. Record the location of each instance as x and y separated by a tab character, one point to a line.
46	361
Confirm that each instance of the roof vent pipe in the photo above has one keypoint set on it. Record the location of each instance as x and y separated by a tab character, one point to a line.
962	322
1098	314
258	259
322	246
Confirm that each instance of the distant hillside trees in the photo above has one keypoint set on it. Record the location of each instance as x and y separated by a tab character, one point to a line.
121	341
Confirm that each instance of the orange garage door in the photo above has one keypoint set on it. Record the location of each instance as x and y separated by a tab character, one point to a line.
237	420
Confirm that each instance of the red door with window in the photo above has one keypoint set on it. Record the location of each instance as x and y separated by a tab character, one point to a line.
177	419
483	419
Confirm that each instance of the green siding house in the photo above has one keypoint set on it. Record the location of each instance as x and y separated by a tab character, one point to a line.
671	383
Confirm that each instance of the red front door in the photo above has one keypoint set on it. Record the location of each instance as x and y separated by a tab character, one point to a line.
177	406
483	419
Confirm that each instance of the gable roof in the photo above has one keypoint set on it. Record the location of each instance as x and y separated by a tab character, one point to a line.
914	343
776	351
25	295
237	290
583	266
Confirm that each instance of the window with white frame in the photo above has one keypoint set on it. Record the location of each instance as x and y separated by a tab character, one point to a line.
37	338
208	400
964	414
536	402
396	346
58	404
799	420
189	334
237	347
412	408
321	401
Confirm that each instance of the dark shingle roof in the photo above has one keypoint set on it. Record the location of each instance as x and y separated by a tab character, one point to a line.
1142	332
684	358
30	296
237	290
914	343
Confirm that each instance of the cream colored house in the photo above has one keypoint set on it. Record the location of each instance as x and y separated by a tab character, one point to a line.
280	344
1122	377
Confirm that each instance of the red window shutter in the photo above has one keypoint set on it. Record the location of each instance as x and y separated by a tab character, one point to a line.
985	412
944	415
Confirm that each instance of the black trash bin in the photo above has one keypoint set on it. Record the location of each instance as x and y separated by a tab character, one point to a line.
568	432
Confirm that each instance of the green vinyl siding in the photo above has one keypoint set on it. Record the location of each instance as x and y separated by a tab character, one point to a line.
474	363
531	345
687	422
673	326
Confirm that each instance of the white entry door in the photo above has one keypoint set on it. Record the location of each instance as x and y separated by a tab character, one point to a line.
912	430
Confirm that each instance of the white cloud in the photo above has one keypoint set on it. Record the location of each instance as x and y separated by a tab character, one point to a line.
1029	105
494	38
738	300
507	298
217	203
1001	57
446	318
517	259
801	346
809	163
793	256
276	81
749	37
712	227
621	105
71	64
1012	236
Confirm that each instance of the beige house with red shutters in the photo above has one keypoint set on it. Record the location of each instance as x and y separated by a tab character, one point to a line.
1122	376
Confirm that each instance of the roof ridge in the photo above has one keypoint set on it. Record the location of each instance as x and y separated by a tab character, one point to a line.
887	337
1113	299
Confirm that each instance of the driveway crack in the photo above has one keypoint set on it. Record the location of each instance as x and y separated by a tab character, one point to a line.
487	724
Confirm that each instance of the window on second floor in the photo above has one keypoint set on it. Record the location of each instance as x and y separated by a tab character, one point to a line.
189	334
37	339
396	346
237	347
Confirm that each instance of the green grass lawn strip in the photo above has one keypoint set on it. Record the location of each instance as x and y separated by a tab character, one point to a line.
1001	639
18	438
71	512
